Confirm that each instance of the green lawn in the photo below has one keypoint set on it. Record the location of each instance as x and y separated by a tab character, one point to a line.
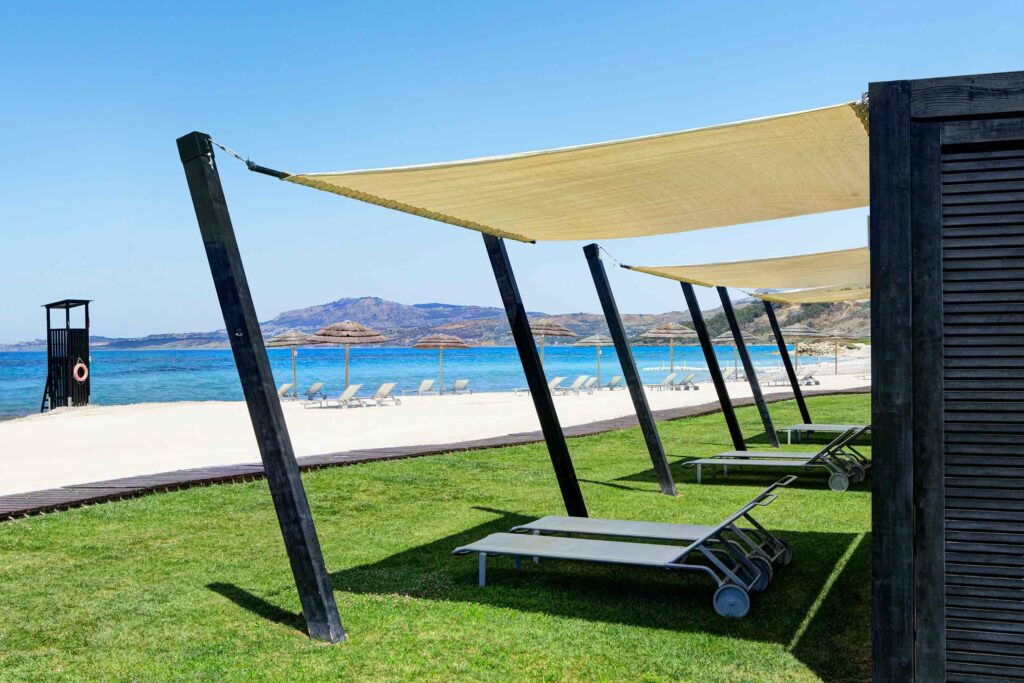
194	585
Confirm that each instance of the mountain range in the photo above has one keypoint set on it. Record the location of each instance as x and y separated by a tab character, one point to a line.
484	325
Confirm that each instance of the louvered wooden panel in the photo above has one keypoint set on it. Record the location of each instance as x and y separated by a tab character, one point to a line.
983	396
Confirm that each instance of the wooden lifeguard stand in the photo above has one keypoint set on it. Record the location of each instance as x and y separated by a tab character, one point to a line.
67	351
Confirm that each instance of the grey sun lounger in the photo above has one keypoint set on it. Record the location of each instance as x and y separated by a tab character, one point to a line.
425	387
687	383
843	462
590	386
461	386
314	391
284	392
385	394
552	385
347	399
614	383
799	429
725	552
573	388
666	383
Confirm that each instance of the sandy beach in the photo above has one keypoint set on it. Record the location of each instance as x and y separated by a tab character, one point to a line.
104	442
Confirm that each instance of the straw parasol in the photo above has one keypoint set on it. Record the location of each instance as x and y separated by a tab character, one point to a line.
672	332
597	341
835	338
347	333
549	328
440	342
290	339
799	332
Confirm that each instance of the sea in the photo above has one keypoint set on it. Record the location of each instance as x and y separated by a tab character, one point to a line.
124	377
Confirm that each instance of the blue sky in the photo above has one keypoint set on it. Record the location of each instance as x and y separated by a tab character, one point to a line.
95	204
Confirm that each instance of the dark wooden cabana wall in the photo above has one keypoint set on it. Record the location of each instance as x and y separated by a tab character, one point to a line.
947	306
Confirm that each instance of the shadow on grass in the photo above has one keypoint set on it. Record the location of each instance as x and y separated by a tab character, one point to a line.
647	598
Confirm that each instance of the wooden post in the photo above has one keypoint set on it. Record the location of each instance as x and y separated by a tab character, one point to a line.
295	374
534	371
798	393
697	317
282	472
629	371
346	366
748	367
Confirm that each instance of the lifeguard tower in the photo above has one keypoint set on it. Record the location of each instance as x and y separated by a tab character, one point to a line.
67	357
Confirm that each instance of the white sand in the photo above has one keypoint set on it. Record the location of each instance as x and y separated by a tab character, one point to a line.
76	446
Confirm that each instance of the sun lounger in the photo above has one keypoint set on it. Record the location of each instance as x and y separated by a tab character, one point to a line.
730	554
384	395
284	392
802	428
347	399
687	383
806	377
734	375
666	383
573	388
552	386
314	391
843	462
614	383
425	387
461	386
590	386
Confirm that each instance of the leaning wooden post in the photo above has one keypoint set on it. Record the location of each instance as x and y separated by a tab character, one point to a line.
572	496
713	368
748	367
629	371
798	394
300	539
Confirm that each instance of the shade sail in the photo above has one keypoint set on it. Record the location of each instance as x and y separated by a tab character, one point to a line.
848	268
819	295
757	170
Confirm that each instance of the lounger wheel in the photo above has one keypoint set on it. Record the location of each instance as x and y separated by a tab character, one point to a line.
731	601
764	567
839	482
859	472
786	556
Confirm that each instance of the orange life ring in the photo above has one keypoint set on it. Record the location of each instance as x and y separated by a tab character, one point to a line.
80	372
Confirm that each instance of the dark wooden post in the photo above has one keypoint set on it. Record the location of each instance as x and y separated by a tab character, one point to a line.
629	371
716	371
293	514
748	367
787	362
539	392
892	503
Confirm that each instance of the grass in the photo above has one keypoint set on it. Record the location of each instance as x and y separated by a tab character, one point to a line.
194	585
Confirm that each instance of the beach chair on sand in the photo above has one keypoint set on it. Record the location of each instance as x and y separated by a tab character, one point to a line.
552	385
590	386
807	378
425	387
839	458
385	394
573	388
687	383
666	383
614	383
734	375
347	399
315	391
738	553
461	386
284	392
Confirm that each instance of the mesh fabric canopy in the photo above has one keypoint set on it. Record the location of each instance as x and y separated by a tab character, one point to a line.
763	169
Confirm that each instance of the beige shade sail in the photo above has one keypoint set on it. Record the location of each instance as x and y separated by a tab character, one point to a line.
757	170
818	295
844	269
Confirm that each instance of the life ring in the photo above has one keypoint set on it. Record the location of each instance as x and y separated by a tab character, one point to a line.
80	372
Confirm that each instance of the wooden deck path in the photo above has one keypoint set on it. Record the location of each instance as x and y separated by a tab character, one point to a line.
65	497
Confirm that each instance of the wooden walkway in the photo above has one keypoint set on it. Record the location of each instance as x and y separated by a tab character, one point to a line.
65	497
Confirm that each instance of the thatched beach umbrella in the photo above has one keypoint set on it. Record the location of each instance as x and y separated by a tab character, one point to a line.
798	332
549	328
836	338
440	342
292	339
347	333
672	332
597	341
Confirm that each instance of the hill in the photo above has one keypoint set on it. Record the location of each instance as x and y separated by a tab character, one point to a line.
483	324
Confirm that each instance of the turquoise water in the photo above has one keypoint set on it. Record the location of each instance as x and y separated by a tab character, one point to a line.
120	377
